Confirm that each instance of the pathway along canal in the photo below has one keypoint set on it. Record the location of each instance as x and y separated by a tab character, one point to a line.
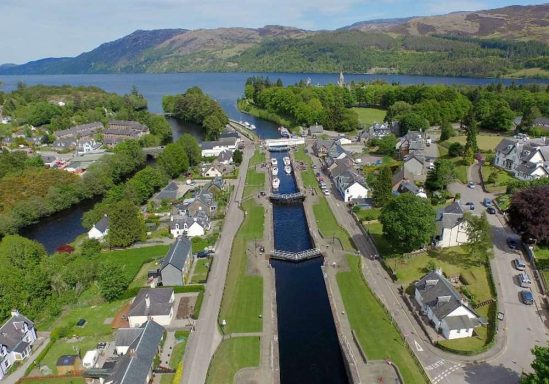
308	344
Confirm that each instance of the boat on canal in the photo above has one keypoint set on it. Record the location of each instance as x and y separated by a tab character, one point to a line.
274	171
288	169
284	132
252	127
286	160
276	182
274	162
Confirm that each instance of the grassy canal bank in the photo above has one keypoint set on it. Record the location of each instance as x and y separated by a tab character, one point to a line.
243	295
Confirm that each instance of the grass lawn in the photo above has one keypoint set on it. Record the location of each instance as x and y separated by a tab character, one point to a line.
368	214
231	356
140	279
461	168
243	296
501	178
484	142
201	269
200	243
56	380
132	259
378	337
368	116
64	347
383	246
95	319
327	224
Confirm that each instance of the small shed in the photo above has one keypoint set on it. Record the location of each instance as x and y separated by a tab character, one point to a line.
90	358
68	364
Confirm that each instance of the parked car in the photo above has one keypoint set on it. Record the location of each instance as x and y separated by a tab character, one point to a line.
471	205
526	297
487	202
204	253
519	264
491	210
326	192
314	166
512	243
471	184
524	280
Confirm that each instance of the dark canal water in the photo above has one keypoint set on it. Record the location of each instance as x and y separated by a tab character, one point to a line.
308	344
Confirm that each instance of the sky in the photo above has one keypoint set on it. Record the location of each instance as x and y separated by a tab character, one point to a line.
35	29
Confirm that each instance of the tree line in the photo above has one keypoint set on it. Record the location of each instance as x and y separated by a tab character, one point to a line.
197	107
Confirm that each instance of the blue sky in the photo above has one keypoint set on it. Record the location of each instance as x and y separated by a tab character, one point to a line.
34	29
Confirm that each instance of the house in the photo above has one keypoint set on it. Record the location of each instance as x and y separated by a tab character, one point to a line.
413	141
17	335
79	131
344	141
351	186
214	148
526	159
175	265
203	201
336	151
408	186
316	129
444	306
190	226
451	227
67	143
169	192
338	166
416	166
87	145
225	157
67	364
99	229
215	186
321	147
212	171
122	130
152	304
230	132
136	350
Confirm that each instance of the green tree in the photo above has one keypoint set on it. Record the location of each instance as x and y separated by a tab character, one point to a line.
412	122
126	224
213	126
385	145
442	175
540	365
383	187
479	234
173	160
111	280
90	248
191	148
408	222
446	131
455	150
471	147
237	156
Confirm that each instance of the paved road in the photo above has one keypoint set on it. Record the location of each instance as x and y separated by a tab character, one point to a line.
523	326
206	336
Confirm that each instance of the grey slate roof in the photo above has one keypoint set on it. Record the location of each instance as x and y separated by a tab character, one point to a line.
12	332
102	224
225	155
178	253
134	366
168	192
126	336
316	129
80	130
505	146
459	322
348	178
438	294
451	215
159	302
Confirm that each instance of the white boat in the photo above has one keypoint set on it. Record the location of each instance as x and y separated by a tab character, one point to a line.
274	162
252	127
284	132
274	171
287	169
246	124
276	183
286	160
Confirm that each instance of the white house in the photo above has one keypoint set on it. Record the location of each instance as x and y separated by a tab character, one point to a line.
188	225
351	186
17	335
527	159
451	226
87	146
444	307
212	171
344	141
152	304
99	229
214	148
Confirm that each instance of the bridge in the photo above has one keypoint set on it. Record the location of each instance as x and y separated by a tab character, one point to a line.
296	256
284	142
287	198
153	151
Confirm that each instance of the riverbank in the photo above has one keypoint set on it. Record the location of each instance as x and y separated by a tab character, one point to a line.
245	106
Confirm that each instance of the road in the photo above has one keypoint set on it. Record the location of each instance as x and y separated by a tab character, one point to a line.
206	337
523	326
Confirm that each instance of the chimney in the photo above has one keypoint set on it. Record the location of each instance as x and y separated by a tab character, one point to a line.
147	301
14	312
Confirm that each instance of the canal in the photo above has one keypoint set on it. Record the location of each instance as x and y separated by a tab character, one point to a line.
308	344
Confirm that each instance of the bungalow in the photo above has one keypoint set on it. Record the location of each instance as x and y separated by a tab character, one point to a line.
99	229
152	304
136	350
17	335
190	226
176	264
351	186
212	171
444	306
451	228
214	148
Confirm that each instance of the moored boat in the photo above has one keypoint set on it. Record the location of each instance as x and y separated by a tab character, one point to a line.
276	183
286	160
274	162
274	171
288	169
252	127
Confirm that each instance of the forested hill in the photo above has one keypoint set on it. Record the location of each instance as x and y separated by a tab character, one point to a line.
510	41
